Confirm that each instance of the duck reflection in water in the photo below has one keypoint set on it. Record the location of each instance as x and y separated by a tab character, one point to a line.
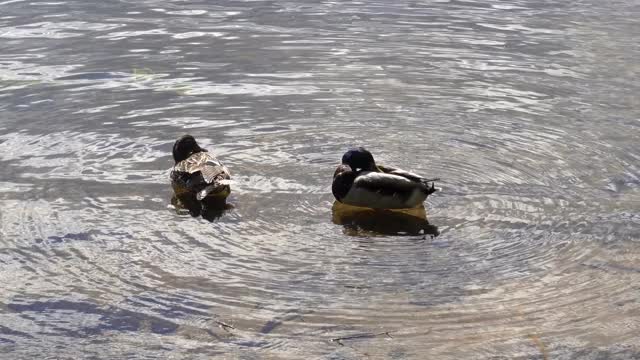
210	208
359	221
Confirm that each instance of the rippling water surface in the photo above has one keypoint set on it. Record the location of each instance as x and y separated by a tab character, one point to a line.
528	110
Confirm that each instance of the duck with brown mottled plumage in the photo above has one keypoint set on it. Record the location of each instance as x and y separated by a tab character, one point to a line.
197	172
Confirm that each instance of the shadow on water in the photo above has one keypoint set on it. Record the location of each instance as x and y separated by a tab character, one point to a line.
109	319
210	209
358	221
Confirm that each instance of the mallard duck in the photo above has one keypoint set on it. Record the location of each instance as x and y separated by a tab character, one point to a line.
358	181
197	172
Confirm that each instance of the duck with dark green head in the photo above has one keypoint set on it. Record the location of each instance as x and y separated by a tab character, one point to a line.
359	181
197	172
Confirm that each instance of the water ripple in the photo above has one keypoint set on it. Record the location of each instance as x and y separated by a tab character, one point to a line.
524	110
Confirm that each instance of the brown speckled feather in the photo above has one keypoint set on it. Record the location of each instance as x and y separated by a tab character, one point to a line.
201	173
210	167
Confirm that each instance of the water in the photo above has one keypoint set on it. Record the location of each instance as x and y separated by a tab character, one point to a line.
527	110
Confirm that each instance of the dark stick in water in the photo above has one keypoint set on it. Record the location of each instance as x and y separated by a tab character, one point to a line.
359	336
224	325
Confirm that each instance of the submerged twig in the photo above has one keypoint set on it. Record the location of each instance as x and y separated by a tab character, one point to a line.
359	336
224	325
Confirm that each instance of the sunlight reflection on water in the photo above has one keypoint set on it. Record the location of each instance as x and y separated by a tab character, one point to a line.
525	110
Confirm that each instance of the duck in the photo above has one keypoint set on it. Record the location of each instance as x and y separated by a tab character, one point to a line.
197	172
359	181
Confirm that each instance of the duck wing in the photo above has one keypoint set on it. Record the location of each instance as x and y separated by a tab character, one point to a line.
387	184
379	190
405	174
210	168
202	174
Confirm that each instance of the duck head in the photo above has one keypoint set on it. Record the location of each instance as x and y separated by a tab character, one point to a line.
342	168
359	159
184	147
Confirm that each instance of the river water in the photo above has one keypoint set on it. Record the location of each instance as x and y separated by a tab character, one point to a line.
527	110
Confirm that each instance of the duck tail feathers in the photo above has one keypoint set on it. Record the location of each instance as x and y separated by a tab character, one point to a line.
213	188
430	189
204	192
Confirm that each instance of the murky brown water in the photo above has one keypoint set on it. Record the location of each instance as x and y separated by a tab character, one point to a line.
528	111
